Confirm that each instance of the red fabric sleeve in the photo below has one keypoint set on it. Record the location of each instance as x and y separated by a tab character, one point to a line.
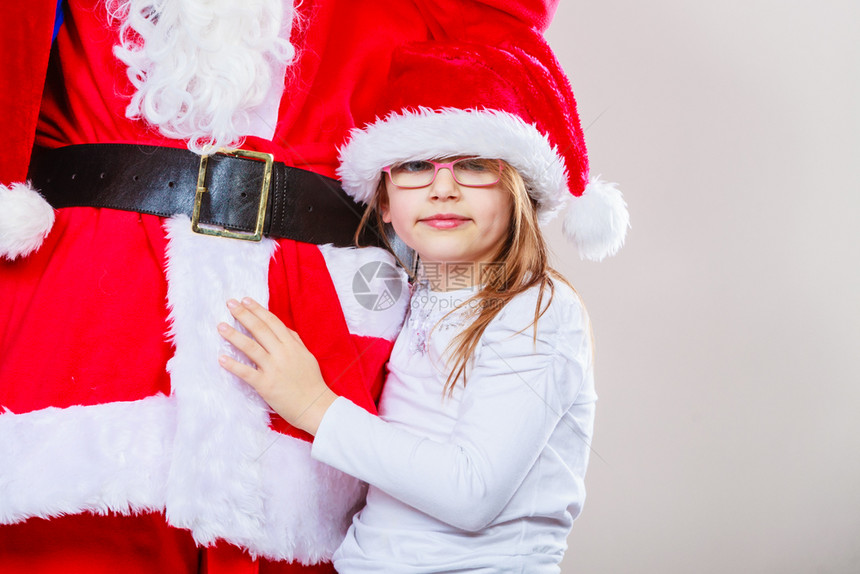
25	42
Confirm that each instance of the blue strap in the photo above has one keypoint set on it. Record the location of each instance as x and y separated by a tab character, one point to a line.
58	19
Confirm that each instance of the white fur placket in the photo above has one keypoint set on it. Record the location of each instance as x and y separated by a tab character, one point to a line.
232	477
215	476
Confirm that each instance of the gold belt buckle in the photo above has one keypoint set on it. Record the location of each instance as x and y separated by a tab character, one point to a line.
257	235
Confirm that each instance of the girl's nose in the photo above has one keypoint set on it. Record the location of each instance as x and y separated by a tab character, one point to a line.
444	186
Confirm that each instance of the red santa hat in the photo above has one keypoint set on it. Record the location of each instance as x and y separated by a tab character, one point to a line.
511	102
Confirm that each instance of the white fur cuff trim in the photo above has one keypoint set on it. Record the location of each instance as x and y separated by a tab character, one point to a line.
25	220
373	291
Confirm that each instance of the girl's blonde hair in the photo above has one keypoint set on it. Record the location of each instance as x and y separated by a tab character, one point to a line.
520	263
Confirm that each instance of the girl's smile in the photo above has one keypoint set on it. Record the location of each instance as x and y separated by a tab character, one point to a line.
445	221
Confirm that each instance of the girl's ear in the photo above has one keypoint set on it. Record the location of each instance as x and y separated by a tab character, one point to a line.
384	210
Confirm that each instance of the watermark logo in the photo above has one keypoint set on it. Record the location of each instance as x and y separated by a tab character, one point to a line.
377	286
452	276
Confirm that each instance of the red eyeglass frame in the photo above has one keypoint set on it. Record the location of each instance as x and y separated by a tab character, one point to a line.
437	165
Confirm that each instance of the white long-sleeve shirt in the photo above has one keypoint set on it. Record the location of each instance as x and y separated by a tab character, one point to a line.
489	479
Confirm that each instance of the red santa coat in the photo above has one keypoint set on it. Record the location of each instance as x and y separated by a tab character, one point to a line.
123	445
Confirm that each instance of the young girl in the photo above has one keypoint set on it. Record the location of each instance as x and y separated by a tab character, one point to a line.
477	459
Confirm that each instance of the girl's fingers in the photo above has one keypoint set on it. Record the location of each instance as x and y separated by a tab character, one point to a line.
245	372
252	349
277	326
250	319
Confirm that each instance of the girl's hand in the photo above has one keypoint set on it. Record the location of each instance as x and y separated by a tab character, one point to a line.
287	375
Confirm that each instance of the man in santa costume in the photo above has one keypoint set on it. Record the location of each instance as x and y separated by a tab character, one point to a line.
123	445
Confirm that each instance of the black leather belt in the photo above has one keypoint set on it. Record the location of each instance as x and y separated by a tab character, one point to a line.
231	195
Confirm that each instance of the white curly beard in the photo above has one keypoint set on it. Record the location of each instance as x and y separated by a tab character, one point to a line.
206	71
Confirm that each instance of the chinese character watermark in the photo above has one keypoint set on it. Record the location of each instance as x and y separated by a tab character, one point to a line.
453	276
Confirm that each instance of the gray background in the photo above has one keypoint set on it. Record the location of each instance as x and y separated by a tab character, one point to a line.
727	437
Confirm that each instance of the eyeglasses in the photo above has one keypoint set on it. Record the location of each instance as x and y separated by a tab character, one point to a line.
468	171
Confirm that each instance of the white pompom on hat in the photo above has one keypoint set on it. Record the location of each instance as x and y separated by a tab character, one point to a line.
25	220
511	102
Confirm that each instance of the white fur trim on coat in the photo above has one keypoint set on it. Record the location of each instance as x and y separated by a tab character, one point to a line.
373	291
428	134
232	477
205	455
25	220
597	221
116	457
221	422
100	458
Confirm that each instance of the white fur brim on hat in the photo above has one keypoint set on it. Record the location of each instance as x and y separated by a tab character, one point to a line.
596	221
431	134
25	220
